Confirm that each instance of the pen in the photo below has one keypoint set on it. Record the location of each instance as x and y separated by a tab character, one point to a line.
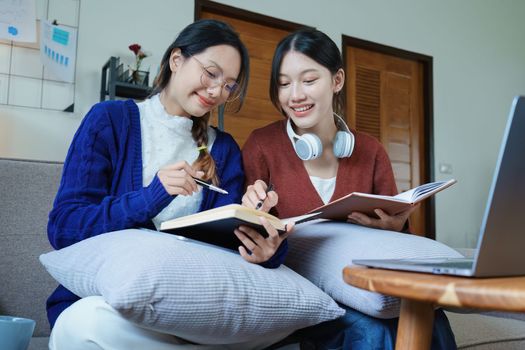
209	186
259	205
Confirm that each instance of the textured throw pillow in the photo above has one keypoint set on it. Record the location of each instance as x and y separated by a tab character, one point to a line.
194	291
320	250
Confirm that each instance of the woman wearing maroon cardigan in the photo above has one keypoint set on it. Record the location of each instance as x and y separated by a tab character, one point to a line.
311	158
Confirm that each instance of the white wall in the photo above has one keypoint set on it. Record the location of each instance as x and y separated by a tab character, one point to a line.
479	65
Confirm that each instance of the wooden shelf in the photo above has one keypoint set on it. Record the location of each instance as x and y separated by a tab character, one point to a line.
111	87
129	90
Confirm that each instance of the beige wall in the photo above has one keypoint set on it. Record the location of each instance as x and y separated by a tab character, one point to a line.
479	65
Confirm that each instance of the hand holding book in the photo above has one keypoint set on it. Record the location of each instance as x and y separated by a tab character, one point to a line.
366	203
216	226
256	248
398	220
382	220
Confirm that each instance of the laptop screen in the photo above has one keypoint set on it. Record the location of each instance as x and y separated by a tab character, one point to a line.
502	238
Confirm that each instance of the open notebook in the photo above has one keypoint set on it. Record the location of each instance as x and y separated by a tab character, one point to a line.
215	226
365	203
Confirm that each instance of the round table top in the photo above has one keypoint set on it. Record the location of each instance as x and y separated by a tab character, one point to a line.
502	293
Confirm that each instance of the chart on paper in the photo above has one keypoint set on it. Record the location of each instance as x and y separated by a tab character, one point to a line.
26	78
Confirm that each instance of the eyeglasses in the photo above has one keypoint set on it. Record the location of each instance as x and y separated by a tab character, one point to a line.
212	77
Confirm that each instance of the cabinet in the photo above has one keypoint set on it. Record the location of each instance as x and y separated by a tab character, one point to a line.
115	82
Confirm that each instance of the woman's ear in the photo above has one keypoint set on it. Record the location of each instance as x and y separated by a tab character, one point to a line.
175	59
339	80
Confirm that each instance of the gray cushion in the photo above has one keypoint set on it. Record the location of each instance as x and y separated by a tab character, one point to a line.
39	343
320	250
194	291
27	190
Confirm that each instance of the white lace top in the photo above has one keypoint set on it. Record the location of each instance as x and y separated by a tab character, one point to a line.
166	139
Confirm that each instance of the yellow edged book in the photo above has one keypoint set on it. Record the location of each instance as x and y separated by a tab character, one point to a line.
215	226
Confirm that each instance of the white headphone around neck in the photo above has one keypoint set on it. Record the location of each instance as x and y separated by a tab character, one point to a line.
309	146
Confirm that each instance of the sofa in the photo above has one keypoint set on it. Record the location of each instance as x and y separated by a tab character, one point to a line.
27	190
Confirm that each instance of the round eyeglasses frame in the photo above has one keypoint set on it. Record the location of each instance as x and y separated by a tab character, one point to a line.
210	79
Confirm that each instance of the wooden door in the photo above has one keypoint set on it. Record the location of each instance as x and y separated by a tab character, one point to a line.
385	98
260	34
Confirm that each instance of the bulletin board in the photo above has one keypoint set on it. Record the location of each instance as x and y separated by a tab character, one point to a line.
24	80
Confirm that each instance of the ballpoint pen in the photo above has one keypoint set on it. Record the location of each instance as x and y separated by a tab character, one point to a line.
209	186
259	205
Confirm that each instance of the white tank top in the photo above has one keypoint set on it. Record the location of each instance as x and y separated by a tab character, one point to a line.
325	187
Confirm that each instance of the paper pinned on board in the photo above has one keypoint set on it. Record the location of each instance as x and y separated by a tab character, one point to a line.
18	20
58	46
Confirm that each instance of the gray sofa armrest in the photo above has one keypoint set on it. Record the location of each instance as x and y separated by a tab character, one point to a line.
27	191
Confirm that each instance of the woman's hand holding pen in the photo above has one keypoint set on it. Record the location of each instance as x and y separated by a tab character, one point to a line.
259	193
178	178
258	248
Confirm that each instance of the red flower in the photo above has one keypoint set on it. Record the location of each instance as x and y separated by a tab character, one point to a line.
135	48
139	56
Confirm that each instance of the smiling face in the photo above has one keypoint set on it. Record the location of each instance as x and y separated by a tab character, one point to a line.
186	95
306	90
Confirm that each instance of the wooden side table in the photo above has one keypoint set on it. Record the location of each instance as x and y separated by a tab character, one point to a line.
420	293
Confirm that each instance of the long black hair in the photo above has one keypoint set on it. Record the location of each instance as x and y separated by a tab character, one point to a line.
192	40
314	44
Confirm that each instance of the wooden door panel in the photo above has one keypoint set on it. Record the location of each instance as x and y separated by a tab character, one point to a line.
243	126
399	152
396	100
395	103
260	48
402	172
399	135
384	99
367	101
376	60
257	107
257	111
258	71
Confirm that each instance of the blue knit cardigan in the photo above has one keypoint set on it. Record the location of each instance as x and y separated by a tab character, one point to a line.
101	188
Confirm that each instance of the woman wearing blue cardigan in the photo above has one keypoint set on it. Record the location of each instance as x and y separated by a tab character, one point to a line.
133	166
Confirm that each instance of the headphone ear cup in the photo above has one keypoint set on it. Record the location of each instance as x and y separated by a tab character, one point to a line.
308	147
343	144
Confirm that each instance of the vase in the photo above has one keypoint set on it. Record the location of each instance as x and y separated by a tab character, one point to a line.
140	77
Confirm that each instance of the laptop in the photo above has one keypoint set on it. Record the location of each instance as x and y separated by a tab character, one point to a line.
501	242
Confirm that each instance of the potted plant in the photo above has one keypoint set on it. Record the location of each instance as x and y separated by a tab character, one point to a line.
138	76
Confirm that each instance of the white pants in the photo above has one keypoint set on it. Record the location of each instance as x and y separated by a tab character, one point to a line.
92	324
